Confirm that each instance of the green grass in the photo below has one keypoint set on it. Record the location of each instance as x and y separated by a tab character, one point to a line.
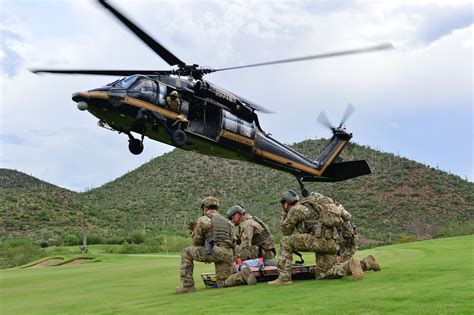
429	277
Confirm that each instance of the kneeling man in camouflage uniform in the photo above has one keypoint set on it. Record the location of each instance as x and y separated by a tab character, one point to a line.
313	236
213	241
256	240
348	242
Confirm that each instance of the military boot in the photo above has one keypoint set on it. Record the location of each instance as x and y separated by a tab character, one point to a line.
356	268
369	263
278	281
248	277
184	289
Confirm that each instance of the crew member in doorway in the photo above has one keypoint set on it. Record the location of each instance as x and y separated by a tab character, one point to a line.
173	102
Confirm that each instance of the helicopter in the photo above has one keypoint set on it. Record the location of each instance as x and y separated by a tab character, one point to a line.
207	119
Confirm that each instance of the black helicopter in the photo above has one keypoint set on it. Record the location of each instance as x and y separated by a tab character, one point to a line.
209	119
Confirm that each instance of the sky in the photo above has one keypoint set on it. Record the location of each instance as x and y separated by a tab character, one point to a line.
415	101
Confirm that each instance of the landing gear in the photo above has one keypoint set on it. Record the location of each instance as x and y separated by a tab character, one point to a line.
135	145
304	191
173	128
178	138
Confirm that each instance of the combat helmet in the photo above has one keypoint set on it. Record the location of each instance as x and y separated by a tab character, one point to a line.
174	94
233	210
210	201
289	196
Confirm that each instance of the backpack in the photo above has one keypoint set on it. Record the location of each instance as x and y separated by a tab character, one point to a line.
330	214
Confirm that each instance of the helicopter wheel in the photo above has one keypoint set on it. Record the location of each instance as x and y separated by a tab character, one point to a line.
178	138
135	146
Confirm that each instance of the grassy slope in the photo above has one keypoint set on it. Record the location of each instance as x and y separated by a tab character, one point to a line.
433	276
30	207
401	197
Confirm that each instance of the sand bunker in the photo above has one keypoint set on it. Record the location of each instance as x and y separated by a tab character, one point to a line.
47	262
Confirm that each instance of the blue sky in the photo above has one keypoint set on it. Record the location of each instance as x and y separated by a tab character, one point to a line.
415	101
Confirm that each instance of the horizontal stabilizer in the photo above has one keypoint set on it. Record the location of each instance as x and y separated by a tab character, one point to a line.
341	171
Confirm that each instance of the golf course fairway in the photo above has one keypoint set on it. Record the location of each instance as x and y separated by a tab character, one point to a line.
426	277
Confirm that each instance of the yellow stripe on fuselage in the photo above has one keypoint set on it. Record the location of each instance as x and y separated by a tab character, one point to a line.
236	137
137	103
299	166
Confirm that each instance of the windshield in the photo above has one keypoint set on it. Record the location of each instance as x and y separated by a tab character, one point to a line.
125	83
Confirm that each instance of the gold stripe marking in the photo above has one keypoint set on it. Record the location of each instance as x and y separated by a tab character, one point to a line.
335	154
236	137
283	160
300	166
102	95
137	103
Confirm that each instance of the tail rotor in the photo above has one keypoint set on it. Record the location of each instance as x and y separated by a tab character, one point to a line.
323	118
339	130
349	110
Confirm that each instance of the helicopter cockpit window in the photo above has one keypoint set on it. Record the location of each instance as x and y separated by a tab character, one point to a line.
126	82
145	89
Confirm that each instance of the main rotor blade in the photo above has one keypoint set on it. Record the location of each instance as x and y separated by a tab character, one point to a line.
349	110
320	56
153	44
105	72
323	120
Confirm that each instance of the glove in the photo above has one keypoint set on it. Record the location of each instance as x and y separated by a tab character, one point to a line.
191	225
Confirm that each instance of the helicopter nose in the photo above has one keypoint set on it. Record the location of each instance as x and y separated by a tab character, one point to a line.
82	106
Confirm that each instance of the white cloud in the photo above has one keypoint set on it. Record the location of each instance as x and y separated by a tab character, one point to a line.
430	70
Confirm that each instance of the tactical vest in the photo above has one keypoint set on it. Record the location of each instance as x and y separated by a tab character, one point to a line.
308	224
264	235
221	229
330	215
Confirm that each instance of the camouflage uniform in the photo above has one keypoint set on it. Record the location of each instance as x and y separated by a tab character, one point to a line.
255	239
348	241
222	252
324	245
173	104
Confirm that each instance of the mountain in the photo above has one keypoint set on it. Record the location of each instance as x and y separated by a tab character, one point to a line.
401	197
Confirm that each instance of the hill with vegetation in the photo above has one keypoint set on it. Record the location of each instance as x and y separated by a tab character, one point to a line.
32	208
401	198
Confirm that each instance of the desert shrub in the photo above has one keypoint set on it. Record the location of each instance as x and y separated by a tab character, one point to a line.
176	243
18	252
137	237
60	250
457	229
114	239
369	245
155	244
71	239
94	239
